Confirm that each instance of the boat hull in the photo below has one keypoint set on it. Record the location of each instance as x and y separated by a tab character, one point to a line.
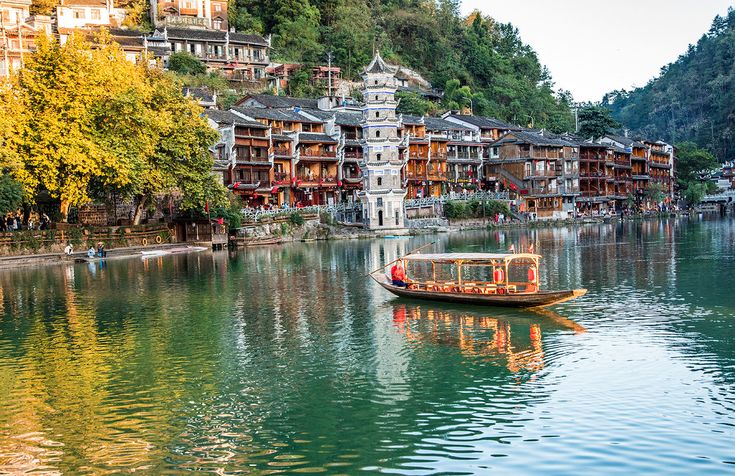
537	299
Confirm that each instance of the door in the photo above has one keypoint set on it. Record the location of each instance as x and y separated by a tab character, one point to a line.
380	218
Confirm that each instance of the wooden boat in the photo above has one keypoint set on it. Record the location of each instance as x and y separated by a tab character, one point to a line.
500	291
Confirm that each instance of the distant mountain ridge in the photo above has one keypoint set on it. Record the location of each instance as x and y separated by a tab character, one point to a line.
693	99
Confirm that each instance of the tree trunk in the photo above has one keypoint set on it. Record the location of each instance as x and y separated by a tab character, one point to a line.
139	207
64	209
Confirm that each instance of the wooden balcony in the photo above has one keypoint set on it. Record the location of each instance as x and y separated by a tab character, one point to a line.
281	177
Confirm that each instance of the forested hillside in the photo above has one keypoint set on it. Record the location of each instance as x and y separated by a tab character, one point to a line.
693	99
485	63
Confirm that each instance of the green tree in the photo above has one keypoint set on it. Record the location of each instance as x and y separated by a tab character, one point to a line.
693	165
692	99
695	192
183	62
87	123
242	19
595	121
11	195
296	31
692	161
654	193
350	36
415	104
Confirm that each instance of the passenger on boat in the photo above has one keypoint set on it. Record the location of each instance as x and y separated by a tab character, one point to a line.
398	275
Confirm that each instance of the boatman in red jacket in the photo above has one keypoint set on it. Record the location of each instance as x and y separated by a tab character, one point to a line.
398	275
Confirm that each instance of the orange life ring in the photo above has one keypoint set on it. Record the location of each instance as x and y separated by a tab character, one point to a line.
145	242
159	240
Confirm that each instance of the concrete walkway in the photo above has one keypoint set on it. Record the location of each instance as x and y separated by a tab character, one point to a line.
46	258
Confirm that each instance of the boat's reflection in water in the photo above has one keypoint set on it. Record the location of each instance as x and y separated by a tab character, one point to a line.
513	337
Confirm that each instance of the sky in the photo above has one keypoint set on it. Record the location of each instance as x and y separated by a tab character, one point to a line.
595	46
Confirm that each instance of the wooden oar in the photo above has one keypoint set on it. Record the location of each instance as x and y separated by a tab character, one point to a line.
398	259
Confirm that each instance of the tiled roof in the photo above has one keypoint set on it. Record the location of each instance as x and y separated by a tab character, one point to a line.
437	124
533	139
220	117
413	120
483	122
626	141
214	35
287	115
202	94
281	102
342	118
377	65
312	137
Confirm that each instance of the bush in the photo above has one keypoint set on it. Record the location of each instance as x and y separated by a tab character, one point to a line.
296	219
11	194
75	236
455	210
186	63
232	212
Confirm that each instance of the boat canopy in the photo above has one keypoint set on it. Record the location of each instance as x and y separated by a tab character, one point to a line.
476	258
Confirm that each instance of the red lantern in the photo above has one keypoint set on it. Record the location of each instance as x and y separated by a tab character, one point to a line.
498	276
339	183
532	274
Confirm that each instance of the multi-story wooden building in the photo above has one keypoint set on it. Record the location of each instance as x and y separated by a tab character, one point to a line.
489	131
464	153
205	14
532	167
239	56
416	172
661	165
74	15
623	191
18	33
596	178
639	158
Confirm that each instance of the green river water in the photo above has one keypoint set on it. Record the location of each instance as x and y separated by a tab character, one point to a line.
287	359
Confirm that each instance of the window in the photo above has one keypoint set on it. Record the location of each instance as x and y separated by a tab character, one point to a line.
96	14
78	14
217	7
377	114
377	133
380	184
376	97
379	157
217	24
380	201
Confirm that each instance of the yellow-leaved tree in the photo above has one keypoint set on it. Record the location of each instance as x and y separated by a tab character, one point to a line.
88	123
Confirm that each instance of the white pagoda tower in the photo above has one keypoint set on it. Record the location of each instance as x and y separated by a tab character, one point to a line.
382	194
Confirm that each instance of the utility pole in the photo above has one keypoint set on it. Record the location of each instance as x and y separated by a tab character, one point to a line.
329	74
5	47
20	43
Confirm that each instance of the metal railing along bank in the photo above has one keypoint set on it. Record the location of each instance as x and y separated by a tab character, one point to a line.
339	210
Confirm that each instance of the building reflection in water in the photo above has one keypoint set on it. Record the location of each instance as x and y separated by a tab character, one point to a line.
516	341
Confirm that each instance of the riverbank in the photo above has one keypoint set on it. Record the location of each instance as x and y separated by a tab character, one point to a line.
283	231
17	261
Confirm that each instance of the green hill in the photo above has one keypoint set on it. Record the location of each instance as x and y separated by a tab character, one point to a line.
694	97
482	63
